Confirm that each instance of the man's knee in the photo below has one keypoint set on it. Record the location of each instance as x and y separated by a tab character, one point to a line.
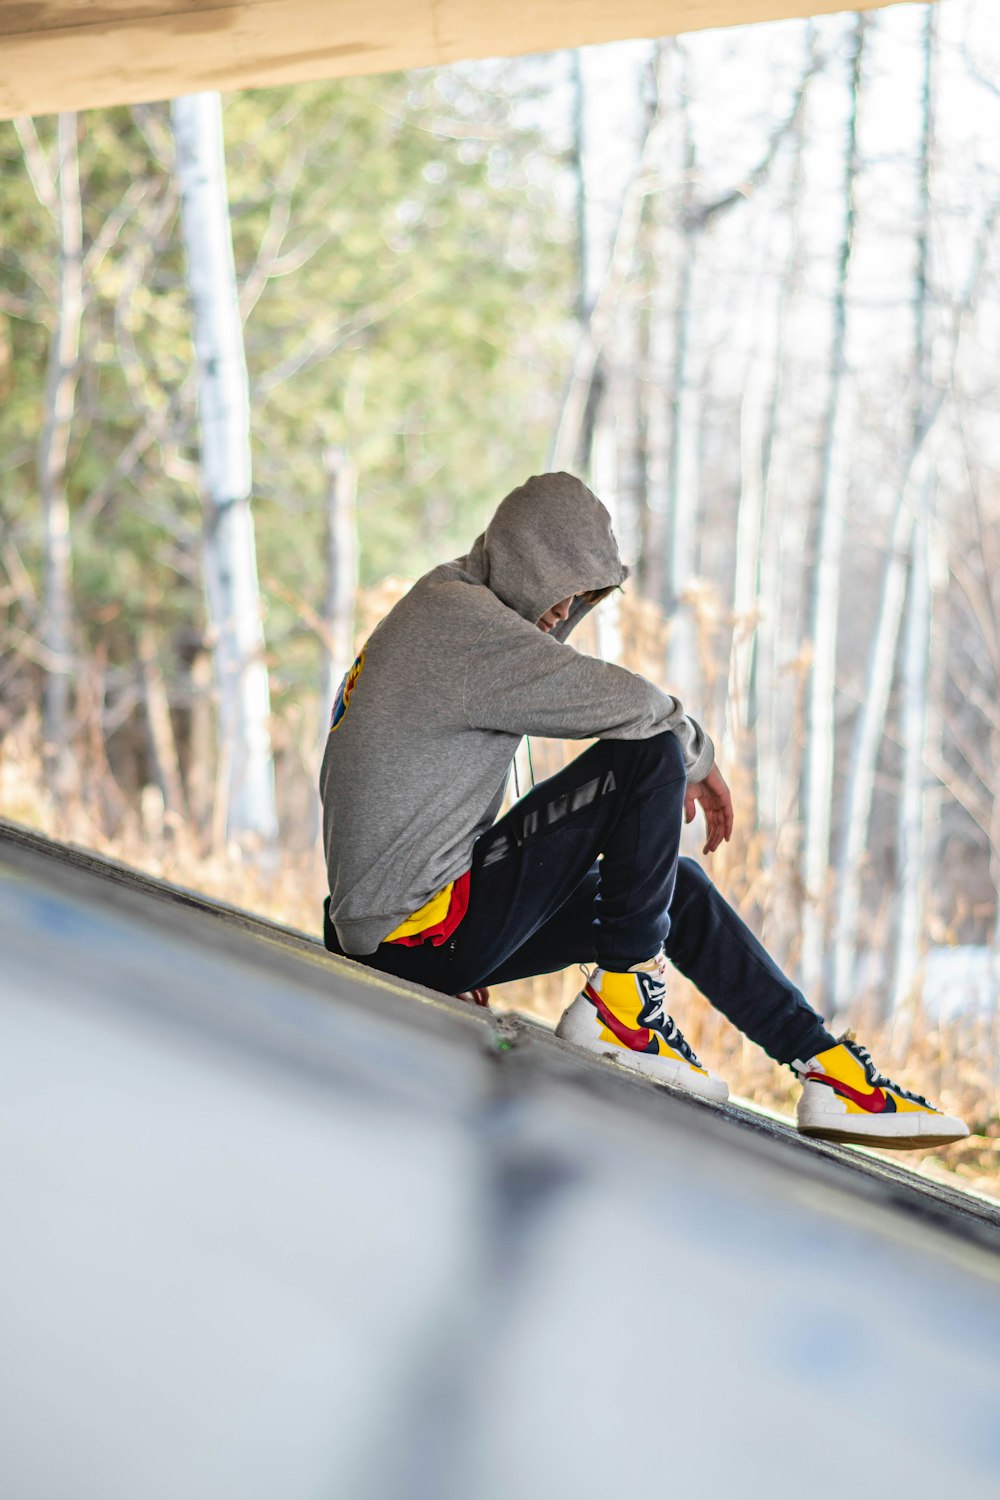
662	750
691	876
692	889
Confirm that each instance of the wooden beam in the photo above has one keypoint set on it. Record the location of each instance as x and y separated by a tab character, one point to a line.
78	54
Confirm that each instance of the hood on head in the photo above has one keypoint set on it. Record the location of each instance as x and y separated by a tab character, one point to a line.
549	539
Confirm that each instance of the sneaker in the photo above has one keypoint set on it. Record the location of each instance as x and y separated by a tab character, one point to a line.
845	1098
621	1016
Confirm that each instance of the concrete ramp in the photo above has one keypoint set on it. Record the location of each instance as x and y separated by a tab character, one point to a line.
276	1228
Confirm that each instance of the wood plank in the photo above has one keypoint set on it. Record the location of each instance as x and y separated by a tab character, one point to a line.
24	18
80	56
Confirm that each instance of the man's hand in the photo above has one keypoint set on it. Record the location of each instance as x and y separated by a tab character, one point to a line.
717	805
477	997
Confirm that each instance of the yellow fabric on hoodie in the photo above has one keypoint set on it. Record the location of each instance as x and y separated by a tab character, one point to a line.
429	915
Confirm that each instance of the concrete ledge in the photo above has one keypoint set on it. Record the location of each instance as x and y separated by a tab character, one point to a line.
275	1225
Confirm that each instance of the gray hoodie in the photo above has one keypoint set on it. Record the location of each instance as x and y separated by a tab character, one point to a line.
426	723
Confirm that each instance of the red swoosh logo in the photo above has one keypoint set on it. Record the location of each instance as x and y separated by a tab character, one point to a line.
873	1103
637	1041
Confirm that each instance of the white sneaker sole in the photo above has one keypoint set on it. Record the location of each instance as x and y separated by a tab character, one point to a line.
898	1132
661	1070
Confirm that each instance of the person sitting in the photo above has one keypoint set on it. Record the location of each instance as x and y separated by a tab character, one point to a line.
428	885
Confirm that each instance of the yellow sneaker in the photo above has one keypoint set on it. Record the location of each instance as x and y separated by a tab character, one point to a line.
622	1016
845	1098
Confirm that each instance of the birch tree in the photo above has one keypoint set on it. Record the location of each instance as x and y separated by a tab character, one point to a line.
675	480
683	479
591	257
926	438
758	573
973	777
341	574
912	832
245	782
654	391
913	498
824	604
59	193
625	414
597	329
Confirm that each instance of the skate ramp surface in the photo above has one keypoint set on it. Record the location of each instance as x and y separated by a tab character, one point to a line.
276	1226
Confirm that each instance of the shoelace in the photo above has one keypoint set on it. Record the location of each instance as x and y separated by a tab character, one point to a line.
877	1079
653	1014
671	1032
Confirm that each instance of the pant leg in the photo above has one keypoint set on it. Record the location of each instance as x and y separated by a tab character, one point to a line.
539	901
710	944
622	799
567	938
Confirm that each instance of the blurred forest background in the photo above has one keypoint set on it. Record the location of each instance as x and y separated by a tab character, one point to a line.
745	282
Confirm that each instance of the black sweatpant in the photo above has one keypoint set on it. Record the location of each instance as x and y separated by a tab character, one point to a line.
586	868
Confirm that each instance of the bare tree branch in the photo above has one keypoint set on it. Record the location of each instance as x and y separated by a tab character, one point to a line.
973	693
699	215
647	179
133	273
313	348
18	307
990	84
21	586
977	803
155	132
40	174
274	234
157	427
113	225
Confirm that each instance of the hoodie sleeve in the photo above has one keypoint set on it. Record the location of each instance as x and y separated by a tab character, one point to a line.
525	682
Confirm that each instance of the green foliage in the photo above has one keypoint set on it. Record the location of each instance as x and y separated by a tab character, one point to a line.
403	333
406	290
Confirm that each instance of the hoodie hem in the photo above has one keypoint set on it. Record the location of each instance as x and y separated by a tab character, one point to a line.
362	939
